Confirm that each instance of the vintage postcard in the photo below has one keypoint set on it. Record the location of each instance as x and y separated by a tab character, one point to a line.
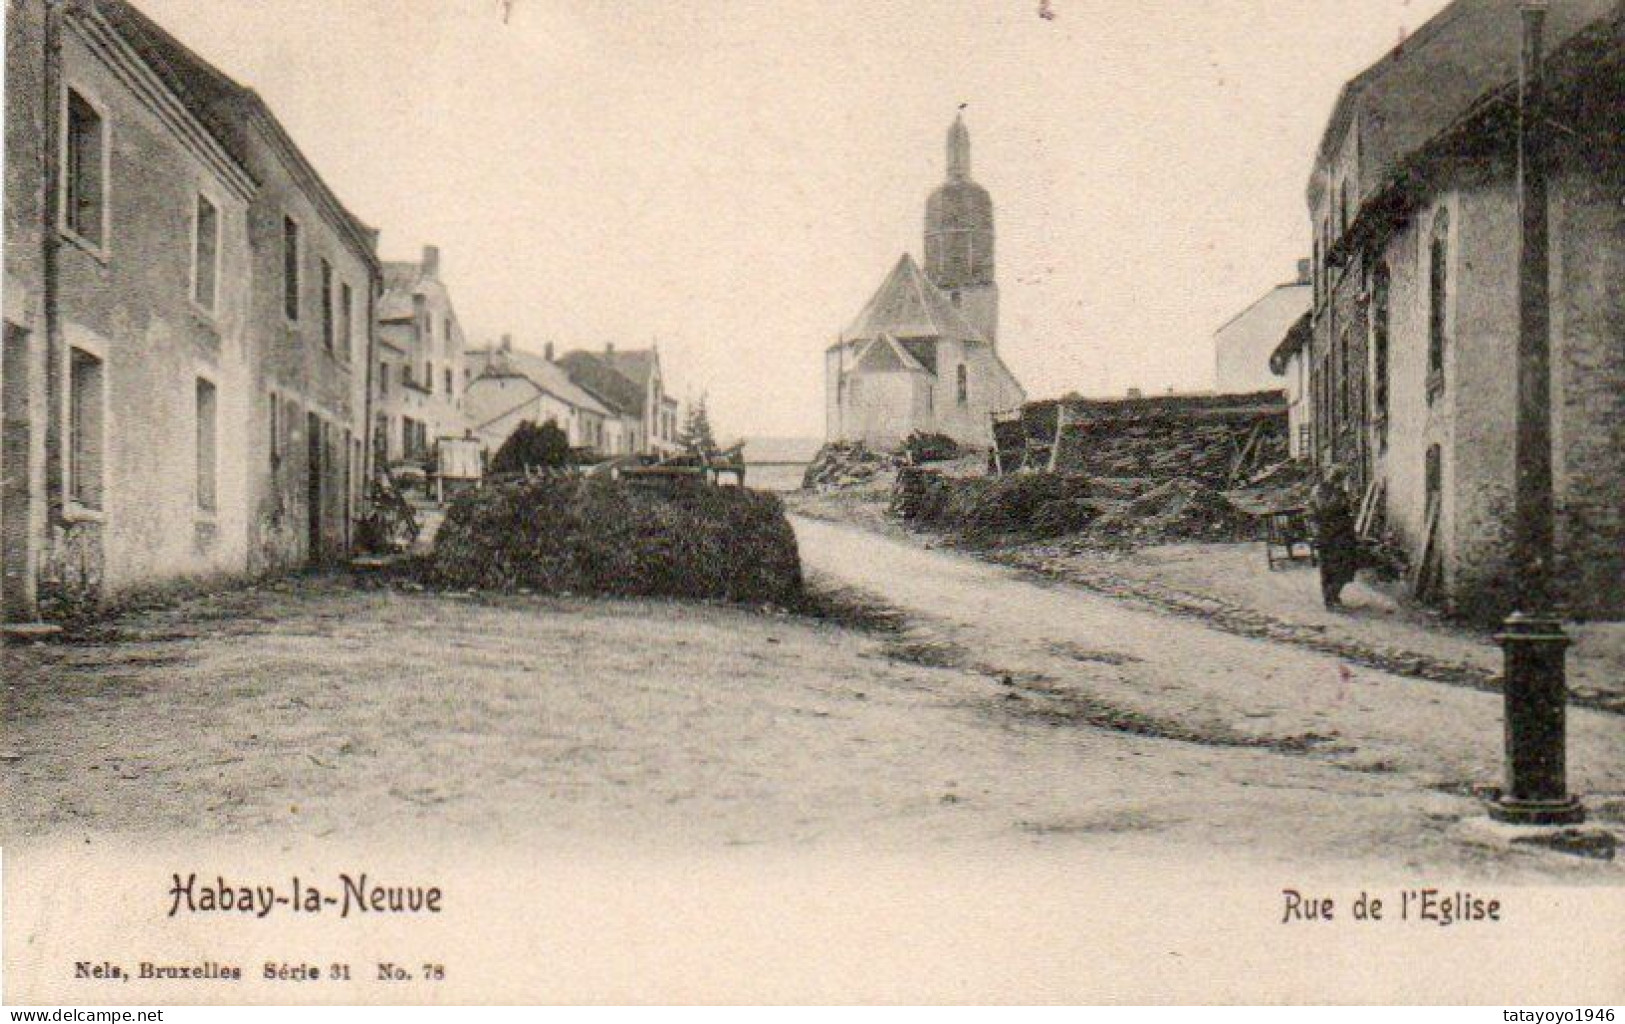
814	501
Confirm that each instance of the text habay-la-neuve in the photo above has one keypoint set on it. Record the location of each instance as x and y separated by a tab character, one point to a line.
356	894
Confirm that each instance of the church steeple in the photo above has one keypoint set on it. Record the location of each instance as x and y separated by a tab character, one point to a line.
959	150
959	238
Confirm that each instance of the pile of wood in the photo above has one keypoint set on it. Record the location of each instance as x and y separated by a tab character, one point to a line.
1220	441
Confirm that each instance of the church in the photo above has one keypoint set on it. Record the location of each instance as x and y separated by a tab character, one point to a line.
922	356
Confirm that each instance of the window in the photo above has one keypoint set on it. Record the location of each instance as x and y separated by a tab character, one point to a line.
445	332
290	268
346	321
1315	272
1433	475
327	306
963	385
84	172
276	433
1379	345
85	416
448	380
428	377
205	252
205	446
1438	300
383	378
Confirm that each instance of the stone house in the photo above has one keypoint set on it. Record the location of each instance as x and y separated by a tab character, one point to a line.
315	283
1243	346
632	387
922	355
1411	346
509	386
419	377
144	357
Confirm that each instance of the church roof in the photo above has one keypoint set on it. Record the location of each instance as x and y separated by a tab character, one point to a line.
908	305
883	355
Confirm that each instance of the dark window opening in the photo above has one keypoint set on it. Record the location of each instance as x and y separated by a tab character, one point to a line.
205	253
1438	301
85	171
290	268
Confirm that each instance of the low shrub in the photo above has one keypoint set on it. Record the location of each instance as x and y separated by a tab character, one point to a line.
586	535
930	448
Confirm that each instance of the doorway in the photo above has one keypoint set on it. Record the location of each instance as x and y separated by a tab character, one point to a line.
313	485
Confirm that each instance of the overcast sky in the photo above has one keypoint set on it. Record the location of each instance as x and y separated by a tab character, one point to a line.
735	178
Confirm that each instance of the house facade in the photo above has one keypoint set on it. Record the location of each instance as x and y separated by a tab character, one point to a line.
509	386
419	377
1243	346
142	350
631	385
1411	351
922	354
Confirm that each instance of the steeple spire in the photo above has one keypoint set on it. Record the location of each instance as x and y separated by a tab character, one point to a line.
959	149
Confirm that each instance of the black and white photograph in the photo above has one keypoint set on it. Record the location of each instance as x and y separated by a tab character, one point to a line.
1112	502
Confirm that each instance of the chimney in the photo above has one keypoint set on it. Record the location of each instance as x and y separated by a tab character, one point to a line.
1303	272
609	348
547	351
431	261
507	343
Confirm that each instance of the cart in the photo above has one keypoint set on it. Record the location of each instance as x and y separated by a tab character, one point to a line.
1286	530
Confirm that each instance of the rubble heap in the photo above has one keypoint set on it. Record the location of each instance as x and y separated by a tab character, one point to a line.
1219	441
1178	509
842	464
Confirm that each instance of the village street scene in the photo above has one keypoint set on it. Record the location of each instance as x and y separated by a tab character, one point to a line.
319	525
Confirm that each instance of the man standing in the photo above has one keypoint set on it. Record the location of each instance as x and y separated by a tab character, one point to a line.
1336	544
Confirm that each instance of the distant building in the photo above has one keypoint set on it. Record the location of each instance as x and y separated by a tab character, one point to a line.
1243	346
508	386
631	384
418	379
1289	362
1411	350
921	355
187	320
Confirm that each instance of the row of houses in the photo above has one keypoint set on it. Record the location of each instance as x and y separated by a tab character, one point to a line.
1402	365
204	358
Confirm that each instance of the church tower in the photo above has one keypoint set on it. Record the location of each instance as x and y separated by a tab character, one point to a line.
959	239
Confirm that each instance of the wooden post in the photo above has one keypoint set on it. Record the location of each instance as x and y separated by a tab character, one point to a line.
998	455
1060	427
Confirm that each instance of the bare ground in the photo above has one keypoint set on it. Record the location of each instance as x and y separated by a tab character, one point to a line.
316	709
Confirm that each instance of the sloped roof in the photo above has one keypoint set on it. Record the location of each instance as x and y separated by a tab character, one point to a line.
226	108
1294	288
1433	80
594	373
636	365
400	285
549	377
1296	338
883	355
908	305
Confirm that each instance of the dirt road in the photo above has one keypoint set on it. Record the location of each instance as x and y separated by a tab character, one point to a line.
1369	754
319	710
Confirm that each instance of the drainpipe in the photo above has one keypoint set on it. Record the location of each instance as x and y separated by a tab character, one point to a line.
50	246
